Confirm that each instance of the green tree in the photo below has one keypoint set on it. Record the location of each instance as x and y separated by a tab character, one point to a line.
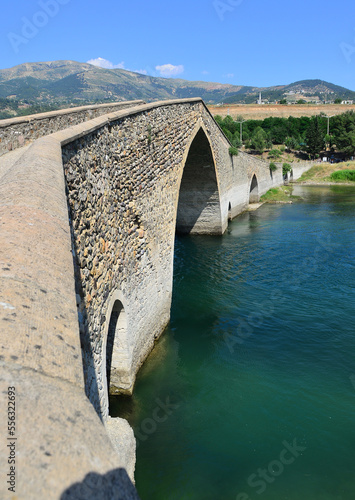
283	101
236	140
343	128
338	100
219	120
328	141
314	138
259	139
230	124
291	143
268	142
347	143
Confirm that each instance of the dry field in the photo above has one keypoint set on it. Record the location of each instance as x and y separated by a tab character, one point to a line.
259	112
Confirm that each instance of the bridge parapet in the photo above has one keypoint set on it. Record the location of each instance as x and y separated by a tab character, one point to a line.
22	130
60	439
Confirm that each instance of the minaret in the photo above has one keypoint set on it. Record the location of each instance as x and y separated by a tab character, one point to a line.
259	101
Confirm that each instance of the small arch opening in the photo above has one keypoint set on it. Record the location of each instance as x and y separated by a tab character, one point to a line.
254	190
115	349
229	211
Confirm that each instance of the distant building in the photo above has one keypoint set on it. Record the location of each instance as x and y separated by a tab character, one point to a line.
348	102
262	101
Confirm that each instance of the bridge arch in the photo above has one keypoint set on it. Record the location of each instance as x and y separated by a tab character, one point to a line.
229	211
254	190
116	358
199	202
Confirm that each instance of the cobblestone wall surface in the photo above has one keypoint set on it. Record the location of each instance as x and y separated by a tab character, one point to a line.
123	188
20	131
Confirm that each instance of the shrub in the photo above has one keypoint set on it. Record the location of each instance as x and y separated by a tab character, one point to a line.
343	175
291	143
233	151
274	153
272	167
286	167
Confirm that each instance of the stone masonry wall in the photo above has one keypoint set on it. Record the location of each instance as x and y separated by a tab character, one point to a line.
123	187
300	168
19	131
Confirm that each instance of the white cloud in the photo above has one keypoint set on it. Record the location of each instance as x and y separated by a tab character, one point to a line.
170	69
205	72
104	63
229	75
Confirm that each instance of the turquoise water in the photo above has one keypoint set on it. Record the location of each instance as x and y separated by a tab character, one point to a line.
258	359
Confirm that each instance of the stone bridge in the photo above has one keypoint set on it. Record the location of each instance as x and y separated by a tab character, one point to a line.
86	273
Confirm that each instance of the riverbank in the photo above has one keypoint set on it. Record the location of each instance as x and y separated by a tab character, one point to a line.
321	174
318	175
282	194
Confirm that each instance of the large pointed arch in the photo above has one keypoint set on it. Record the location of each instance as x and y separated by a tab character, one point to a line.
254	190
199	205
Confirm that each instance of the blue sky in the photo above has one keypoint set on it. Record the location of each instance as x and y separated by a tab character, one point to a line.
244	42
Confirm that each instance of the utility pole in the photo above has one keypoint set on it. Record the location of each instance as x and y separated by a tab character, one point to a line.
241	121
328	117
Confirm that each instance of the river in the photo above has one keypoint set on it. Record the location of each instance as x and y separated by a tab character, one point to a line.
250	392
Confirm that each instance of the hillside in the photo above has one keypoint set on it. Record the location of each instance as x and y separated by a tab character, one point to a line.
323	90
69	81
55	84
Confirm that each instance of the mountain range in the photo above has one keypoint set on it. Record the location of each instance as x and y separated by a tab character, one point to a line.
67	83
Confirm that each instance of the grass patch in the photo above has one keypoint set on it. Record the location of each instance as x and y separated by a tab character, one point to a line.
316	172
343	175
323	172
283	193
